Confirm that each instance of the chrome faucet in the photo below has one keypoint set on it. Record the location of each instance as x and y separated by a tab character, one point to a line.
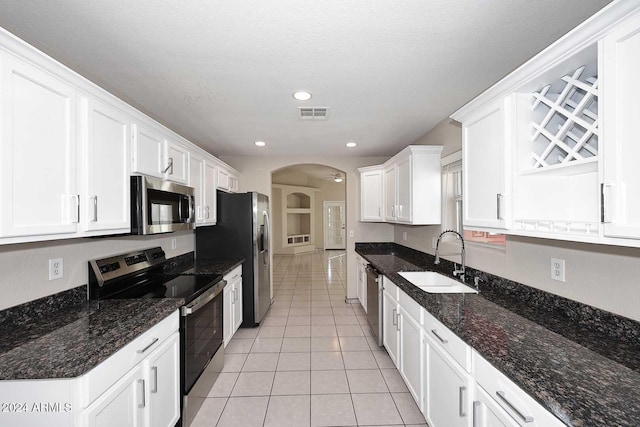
456	272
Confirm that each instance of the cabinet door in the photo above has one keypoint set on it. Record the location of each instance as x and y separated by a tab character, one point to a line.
621	110
390	193
390	328
163	378
227	313
210	213
484	168
37	152
403	190
371	196
148	151
447	388
237	303
487	413
122	405
105	168
196	180
223	179
411	355
233	183
176	163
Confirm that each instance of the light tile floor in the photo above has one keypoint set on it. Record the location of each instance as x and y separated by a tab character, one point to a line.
312	361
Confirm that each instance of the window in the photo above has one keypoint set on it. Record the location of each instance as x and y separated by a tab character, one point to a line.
452	212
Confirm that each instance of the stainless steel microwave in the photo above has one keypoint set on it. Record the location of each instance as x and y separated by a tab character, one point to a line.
159	206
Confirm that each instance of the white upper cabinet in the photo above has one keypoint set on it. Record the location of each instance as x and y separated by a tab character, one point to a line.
105	168
620	52
371	194
148	151
202	177
549	150
176	162
407	187
485	171
227	178
412	185
38	152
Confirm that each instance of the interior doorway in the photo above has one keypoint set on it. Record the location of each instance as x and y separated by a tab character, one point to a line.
334	225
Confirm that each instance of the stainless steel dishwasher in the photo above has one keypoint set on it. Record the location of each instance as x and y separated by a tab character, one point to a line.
374	302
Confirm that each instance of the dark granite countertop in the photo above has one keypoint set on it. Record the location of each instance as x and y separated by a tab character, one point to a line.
68	341
188	264
585	374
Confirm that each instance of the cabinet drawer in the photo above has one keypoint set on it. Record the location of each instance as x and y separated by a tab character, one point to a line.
515	401
449	341
99	379
410	306
390	287
233	274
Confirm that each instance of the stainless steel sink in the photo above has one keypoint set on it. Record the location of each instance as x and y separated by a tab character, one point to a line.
436	283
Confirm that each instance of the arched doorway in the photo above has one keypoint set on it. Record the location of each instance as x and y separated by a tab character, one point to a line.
308	208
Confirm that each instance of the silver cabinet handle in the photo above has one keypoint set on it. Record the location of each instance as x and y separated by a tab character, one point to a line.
169	166
398	322
461	405
395	319
442	340
95	208
526	418
206	209
155	340
378	211
499	206
154	388
476	415
143	403
393	211
76	211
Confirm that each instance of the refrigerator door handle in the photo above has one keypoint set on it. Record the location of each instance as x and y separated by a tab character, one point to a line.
266	238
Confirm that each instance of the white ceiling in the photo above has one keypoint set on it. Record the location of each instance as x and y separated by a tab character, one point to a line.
221	73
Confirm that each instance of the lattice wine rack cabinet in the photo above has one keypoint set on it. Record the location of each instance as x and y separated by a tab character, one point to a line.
568	129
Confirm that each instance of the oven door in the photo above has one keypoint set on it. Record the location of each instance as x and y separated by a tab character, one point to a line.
202	350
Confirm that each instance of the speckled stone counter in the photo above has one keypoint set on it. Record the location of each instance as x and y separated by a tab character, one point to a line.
50	338
188	264
580	363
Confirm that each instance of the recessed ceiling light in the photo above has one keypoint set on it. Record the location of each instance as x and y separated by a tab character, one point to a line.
260	143
302	95
351	144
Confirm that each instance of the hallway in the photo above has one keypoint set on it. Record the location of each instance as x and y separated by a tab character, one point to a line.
311	362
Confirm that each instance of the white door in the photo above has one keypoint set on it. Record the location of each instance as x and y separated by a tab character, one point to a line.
411	354
196	180
38	182
403	188
334	237
106	154
621	57
487	413
371	196
148	151
209	203
390	193
163	370
177	163
390	328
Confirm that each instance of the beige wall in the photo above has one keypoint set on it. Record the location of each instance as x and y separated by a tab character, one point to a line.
25	267
255	173
602	276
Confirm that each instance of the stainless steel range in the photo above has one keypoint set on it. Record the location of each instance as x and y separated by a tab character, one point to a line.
140	274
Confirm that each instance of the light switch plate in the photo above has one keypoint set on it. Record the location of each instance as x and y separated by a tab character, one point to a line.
557	269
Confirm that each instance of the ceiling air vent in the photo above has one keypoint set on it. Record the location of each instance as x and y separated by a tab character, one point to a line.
313	113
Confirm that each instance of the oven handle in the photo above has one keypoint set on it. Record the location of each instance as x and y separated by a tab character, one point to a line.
203	299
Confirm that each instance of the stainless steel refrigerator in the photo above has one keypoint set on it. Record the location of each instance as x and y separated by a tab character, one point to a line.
242	231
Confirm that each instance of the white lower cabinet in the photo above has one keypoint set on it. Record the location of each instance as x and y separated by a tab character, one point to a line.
487	412
447	401
232	304
390	337
121	405
148	394
451	383
411	353
510	398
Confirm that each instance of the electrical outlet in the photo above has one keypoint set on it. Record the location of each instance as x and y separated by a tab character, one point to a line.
404	236
56	268
557	269
351	233
173	243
